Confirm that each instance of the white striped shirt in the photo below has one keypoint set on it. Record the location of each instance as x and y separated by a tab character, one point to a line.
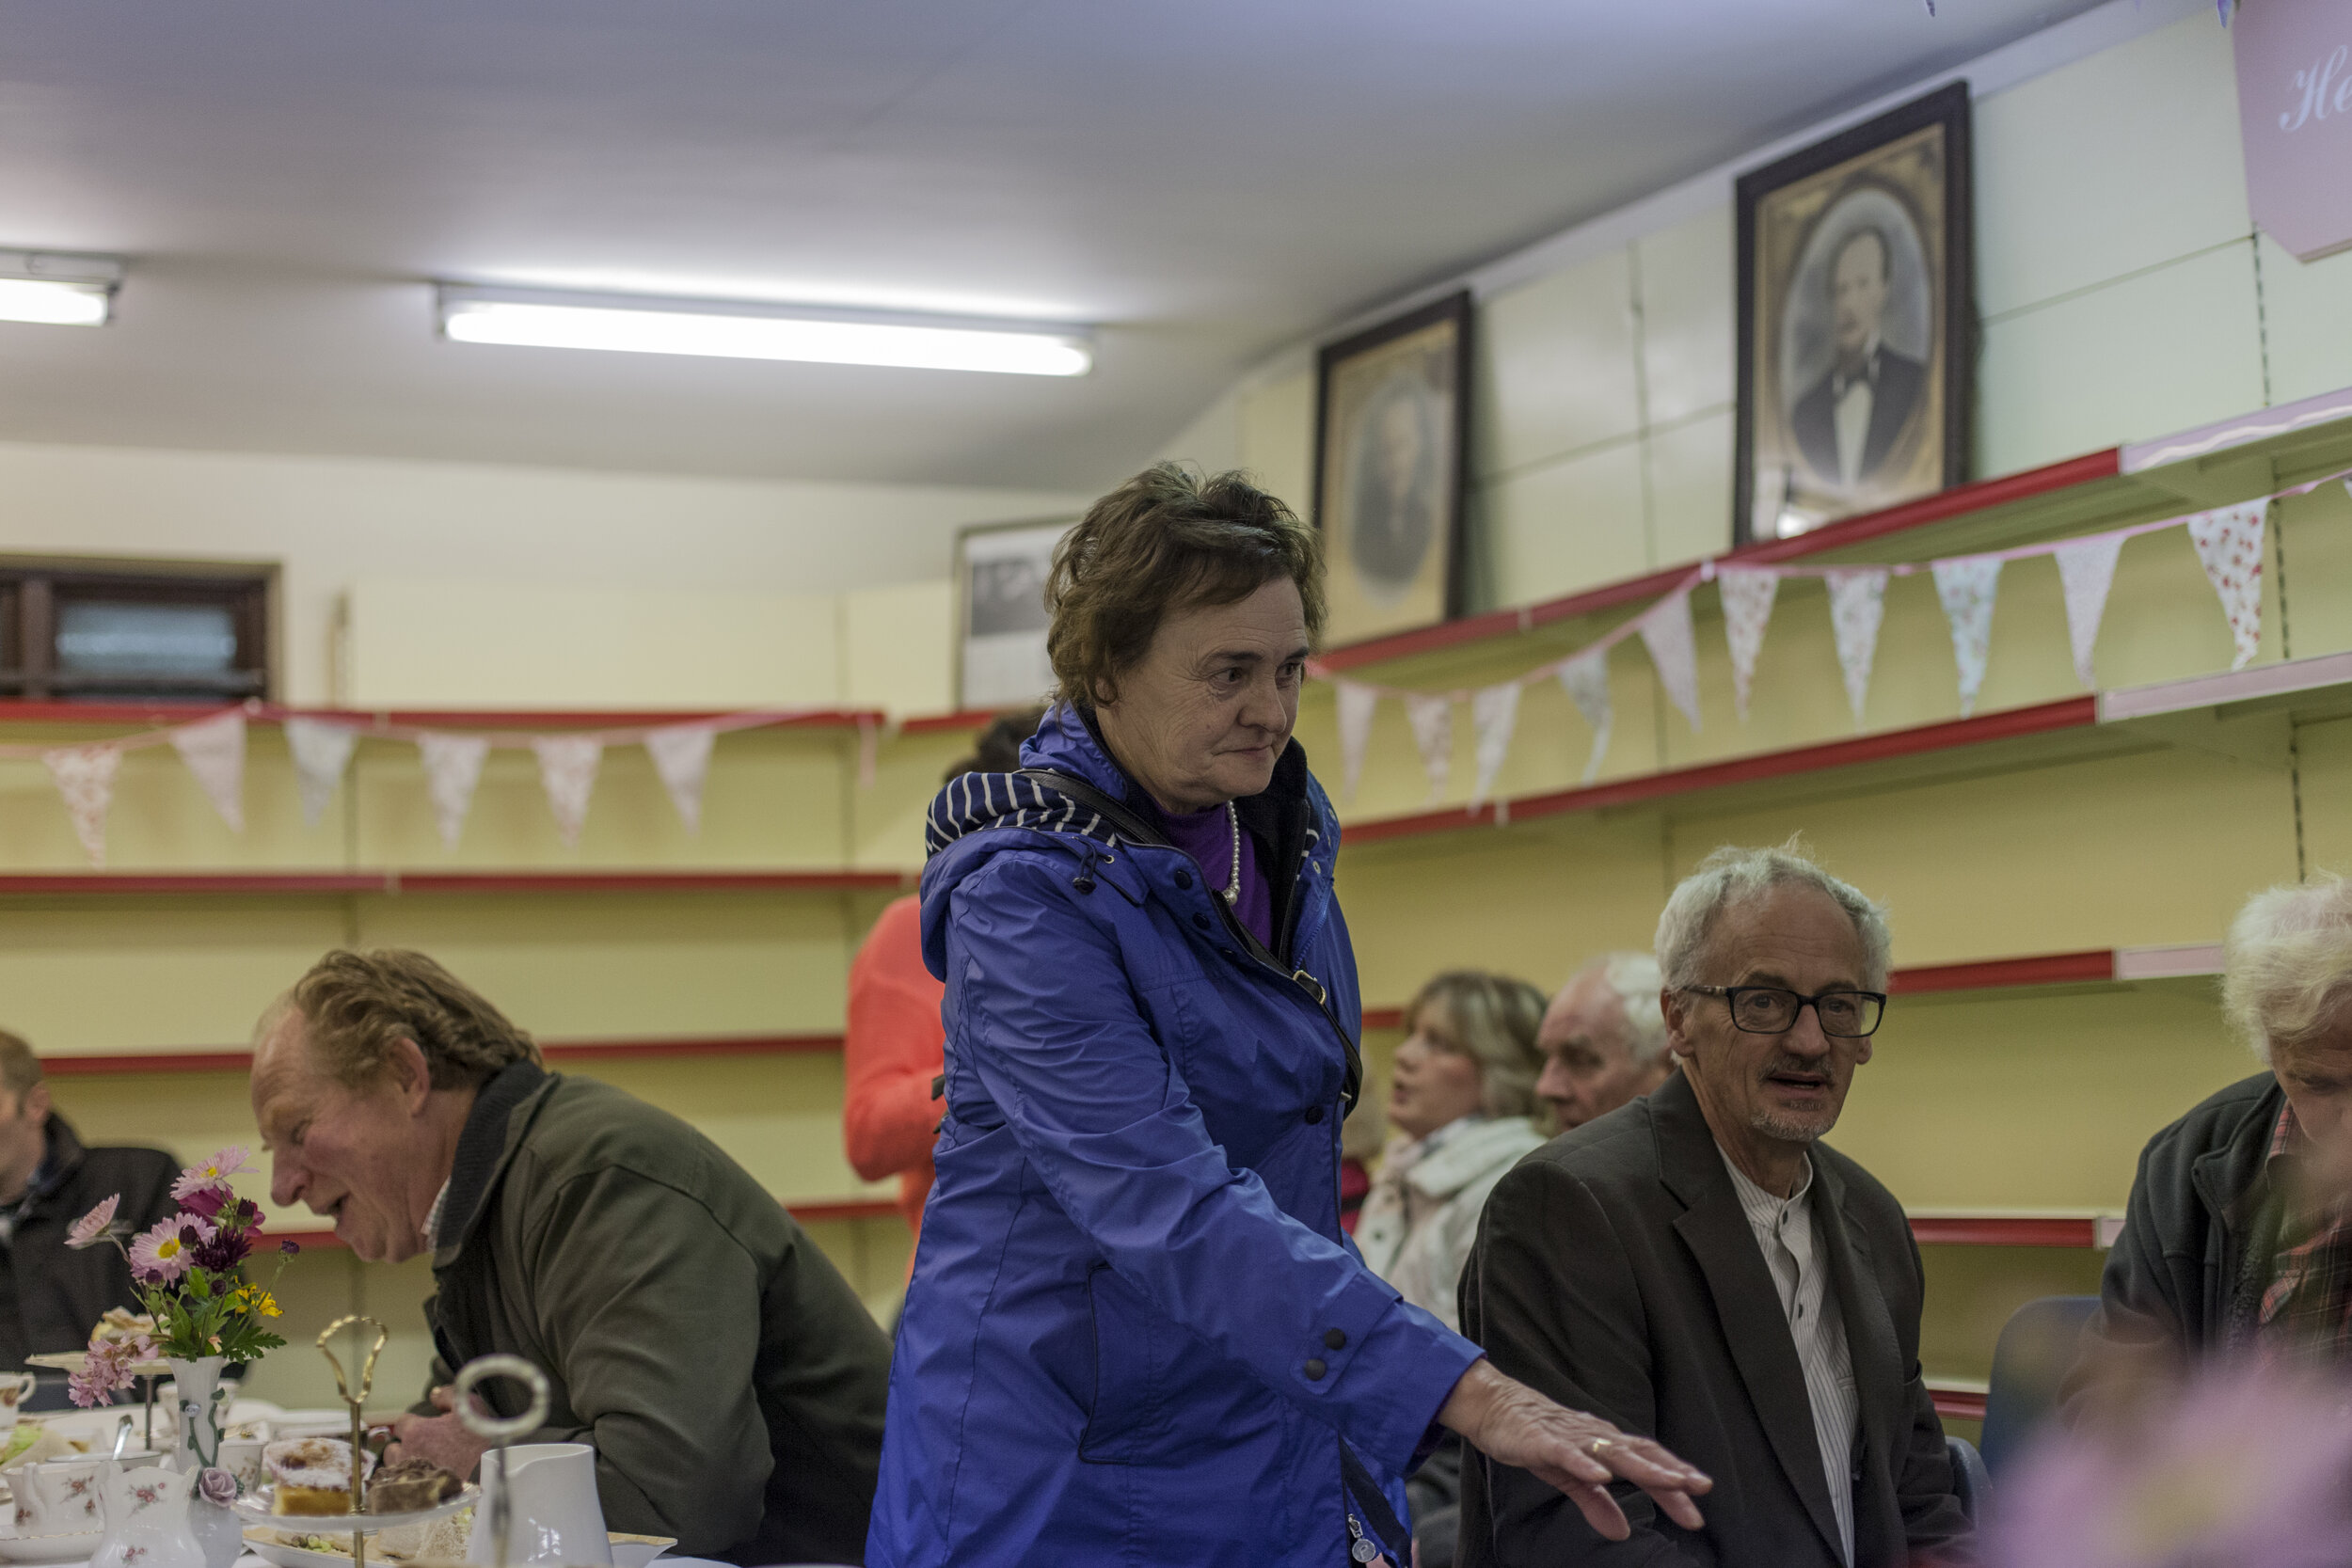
1784	1234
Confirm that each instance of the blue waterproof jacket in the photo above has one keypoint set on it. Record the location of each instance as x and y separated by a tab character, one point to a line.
1136	1334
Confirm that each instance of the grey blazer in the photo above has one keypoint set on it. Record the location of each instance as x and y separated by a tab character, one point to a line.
1615	1272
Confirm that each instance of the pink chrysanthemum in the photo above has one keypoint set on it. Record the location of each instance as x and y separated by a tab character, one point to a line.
160	1256
91	1228
106	1370
213	1174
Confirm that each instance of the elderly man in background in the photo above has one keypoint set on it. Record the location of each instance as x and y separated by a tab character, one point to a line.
730	1381
1699	1268
1603	1039
51	1297
2238	1234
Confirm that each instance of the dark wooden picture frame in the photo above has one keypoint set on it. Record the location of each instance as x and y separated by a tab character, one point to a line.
1392	470
1891	196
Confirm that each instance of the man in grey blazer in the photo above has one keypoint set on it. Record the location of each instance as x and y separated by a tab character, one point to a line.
1698	1268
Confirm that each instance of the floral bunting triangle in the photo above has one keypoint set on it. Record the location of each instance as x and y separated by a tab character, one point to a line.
1968	586
1586	679
1747	595
2086	573
2229	541
1494	714
453	766
681	756
1355	703
1666	633
213	749
1432	717
320	753
567	771
1857	605
85	776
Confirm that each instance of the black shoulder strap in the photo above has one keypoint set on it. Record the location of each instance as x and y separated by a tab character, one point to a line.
1124	821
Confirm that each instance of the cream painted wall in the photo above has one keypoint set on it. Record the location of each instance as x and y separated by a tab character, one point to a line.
331	523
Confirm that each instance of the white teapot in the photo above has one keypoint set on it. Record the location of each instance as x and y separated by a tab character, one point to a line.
62	1497
147	1521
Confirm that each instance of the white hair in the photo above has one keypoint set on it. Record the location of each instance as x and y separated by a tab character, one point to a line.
1733	875
2288	963
1634	978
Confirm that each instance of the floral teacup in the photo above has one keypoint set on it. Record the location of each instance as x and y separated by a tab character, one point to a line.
63	1498
242	1458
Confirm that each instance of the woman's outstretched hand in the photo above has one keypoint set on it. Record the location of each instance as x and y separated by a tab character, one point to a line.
1511	1423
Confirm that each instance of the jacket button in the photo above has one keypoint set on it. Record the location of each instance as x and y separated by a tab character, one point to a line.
1201	921
1315	1370
1315	1114
1184	879
1334	1340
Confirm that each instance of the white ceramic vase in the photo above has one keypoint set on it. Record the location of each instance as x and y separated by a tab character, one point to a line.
213	1527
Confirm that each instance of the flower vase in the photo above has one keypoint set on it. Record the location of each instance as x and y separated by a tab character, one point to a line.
216	1529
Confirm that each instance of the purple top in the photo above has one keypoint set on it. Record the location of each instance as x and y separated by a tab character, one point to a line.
1207	836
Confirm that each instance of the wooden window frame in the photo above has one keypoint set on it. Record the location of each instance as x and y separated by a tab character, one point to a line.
32	590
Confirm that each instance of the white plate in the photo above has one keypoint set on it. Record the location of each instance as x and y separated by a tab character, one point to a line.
255	1509
72	1360
78	1548
625	1553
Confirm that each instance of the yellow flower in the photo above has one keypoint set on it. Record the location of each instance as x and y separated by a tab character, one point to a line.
269	1306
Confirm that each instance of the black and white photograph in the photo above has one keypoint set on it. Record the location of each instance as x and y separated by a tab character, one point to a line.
1000	586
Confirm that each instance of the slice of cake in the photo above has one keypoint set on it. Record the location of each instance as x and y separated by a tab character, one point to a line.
311	1476
410	1487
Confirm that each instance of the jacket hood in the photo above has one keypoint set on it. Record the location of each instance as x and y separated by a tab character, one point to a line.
978	815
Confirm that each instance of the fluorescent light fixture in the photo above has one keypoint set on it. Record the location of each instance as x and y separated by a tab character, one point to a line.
61	290
632	324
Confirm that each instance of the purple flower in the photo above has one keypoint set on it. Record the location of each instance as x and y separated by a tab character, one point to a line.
289	1248
206	1202
106	1370
216	1486
93	1227
222	1250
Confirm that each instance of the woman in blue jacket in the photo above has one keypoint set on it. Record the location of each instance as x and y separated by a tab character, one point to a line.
1136	1334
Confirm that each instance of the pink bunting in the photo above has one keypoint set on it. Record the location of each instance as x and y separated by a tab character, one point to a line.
85	776
1968	586
1857	605
1585	678
1356	704
1666	633
1494	714
1432	719
2228	541
453	766
681	756
2086	573
1747	595
567	771
213	749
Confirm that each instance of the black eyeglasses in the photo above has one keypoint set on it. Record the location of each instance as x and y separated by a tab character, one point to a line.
1772	1010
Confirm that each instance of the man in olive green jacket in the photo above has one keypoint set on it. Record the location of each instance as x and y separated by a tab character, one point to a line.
731	1381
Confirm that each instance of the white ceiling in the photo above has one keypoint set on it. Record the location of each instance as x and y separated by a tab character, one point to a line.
1206	179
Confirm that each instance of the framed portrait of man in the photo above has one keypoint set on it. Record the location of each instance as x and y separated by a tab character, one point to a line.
1392	425
1001	570
1856	338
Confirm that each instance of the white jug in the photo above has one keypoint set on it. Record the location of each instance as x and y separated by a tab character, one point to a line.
147	1521
555	1516
62	1498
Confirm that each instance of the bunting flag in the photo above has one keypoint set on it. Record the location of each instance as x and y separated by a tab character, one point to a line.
1666	633
567	771
213	749
2229	541
681	756
1356	704
1857	603
2086	573
85	776
1585	678
1494	714
1747	595
1968	586
1432	717
320	753
453	766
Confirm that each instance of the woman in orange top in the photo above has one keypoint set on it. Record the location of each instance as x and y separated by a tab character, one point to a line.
894	1049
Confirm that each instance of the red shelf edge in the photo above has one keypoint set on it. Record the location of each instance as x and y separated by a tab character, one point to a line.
819	1212
1964	1404
655	1049
390	883
1940	507
16	711
2067	712
2004	1230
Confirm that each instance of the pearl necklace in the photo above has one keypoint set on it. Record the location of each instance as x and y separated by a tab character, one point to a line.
1233	817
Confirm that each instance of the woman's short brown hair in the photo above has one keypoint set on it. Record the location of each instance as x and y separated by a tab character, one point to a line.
1493	1020
1166	540
358	1007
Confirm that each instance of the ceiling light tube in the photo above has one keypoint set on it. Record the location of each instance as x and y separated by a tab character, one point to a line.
631	323
57	290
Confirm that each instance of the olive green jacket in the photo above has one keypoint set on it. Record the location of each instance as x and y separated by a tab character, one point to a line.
732	1382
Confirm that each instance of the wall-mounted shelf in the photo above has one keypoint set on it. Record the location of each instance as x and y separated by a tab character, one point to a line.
810	1212
390	883
1958	1398
2240	714
665	1048
2016	1227
143	715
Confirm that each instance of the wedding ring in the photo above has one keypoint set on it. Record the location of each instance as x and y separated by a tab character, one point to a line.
1595	1446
